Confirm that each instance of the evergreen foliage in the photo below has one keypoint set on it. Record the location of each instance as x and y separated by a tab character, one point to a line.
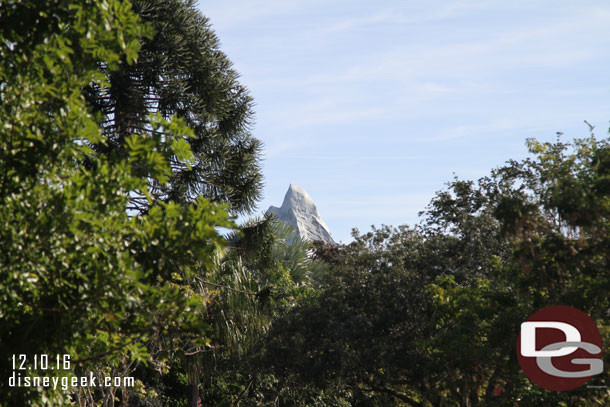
79	276
429	316
181	71
123	131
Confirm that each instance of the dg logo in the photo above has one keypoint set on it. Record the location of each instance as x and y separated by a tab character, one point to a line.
560	348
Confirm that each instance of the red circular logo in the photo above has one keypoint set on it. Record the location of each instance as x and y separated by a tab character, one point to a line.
560	348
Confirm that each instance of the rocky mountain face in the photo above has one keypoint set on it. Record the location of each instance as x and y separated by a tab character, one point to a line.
299	211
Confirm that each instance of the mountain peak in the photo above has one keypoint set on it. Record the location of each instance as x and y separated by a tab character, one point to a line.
299	211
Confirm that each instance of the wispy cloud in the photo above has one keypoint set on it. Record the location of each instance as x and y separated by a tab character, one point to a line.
391	79
351	157
355	81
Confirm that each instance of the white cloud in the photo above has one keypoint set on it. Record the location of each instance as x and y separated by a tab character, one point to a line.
362	83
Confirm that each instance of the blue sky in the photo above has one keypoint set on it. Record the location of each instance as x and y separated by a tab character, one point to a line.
373	106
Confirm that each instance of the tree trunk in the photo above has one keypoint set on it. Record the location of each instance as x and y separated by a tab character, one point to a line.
194	398
193	377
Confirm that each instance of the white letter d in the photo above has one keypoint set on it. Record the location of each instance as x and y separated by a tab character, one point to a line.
528	338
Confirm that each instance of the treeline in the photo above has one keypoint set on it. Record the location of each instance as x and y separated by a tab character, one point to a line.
126	147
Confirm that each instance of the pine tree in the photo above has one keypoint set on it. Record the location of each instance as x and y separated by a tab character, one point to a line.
181	71
79	275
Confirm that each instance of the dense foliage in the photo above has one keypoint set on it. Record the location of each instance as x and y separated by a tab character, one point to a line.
180	71
79	276
125	145
429	316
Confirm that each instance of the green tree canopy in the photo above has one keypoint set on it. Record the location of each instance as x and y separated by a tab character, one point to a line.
79	276
429	316
181	71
